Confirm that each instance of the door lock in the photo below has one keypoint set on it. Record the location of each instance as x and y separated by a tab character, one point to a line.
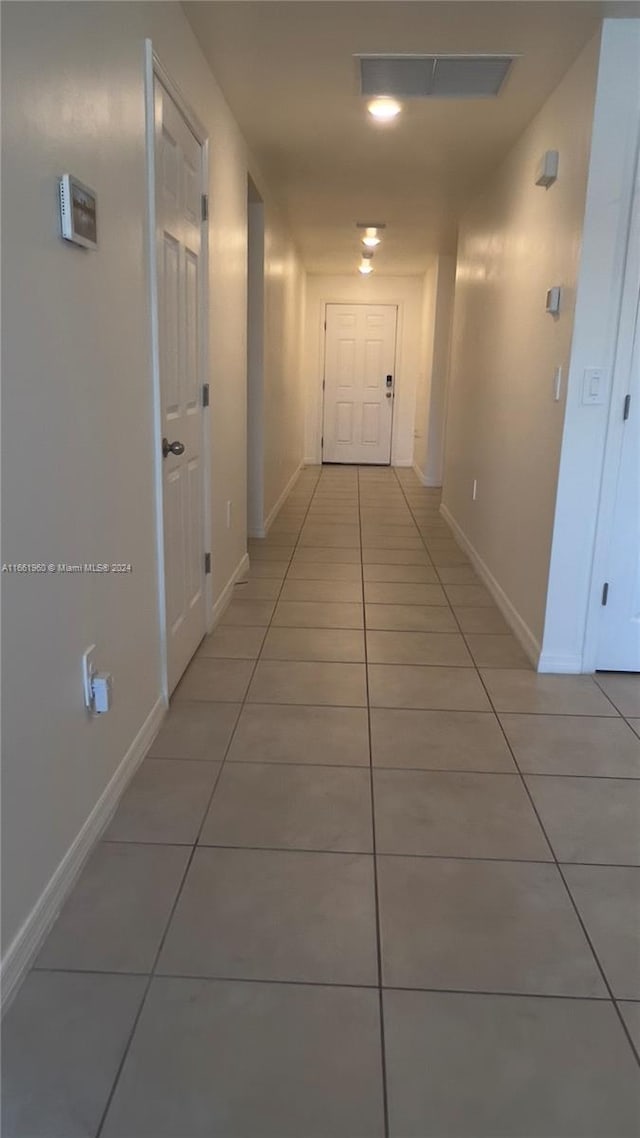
171	448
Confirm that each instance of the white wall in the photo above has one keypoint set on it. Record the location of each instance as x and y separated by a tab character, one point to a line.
504	428
406	292
423	383
574	589
431	396
78	428
275	388
255	369
284	388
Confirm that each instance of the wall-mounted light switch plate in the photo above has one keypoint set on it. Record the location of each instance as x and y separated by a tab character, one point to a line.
593	386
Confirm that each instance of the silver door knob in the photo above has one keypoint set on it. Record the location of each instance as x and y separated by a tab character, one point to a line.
171	448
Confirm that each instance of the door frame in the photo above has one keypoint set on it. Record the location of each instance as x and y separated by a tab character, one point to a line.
154	69
399	307
622	361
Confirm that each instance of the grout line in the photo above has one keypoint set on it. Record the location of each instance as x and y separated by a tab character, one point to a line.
396	707
506	993
182	882
533	715
558	865
395	767
556	862
406	854
373	853
606	693
383	1052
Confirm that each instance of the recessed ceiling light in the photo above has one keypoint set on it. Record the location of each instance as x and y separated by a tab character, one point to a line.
365	267
384	109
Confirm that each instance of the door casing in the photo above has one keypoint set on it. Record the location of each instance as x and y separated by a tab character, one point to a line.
615	428
154	69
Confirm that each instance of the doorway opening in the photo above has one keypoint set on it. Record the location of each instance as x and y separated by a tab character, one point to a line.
255	361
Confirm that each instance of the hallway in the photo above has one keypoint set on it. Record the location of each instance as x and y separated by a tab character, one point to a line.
223	963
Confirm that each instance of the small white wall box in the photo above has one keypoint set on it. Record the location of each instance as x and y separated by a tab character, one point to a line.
554	297
78	212
547	171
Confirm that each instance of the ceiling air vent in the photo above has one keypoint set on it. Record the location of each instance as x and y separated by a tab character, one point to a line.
433	76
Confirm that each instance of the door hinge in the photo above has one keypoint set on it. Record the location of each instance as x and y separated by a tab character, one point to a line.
207	563
205	394
627	408
205	207
323	383
325	325
605	592
322	441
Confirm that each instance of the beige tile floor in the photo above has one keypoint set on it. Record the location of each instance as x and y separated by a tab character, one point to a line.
375	877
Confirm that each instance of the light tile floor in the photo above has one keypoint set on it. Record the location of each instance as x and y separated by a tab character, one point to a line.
376	877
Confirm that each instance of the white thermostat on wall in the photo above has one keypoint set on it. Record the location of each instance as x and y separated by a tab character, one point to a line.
554	296
78	212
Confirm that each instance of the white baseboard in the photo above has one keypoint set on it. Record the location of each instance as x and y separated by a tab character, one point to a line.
569	665
28	940
273	513
434	483
519	627
224	599
255	530
262	531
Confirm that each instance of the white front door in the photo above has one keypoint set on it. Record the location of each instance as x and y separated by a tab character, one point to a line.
359	377
179	188
619	632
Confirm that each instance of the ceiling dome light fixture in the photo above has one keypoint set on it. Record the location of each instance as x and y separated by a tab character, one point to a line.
371	239
365	267
384	108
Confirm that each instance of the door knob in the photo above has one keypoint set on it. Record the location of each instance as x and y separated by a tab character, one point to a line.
171	448
389	394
